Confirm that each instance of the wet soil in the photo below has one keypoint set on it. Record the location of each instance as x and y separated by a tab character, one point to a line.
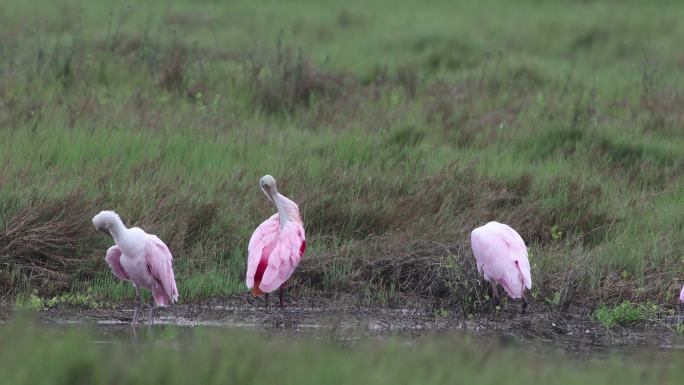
541	328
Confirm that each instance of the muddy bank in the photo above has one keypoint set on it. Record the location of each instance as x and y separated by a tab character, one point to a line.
541	328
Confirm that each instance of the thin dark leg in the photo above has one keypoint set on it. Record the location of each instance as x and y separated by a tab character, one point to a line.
495	295
281	295
137	304
524	305
266	300
151	305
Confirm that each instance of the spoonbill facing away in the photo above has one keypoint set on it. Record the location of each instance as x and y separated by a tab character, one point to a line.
140	258
501	256
277	245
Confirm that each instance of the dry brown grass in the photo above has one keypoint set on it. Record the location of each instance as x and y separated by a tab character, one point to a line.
172	75
285	80
41	241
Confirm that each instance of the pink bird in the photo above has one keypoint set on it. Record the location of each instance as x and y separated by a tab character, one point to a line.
501	256
681	295
140	258
277	245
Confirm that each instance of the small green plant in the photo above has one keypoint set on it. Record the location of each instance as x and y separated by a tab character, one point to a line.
623	314
555	299
535	293
76	299
30	301
199	103
556	234
679	328
441	313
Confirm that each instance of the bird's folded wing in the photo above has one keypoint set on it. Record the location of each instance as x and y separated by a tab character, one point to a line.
159	262
113	260
478	247
262	236
289	248
517	251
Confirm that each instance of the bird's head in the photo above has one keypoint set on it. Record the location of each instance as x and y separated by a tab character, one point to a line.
268	186
105	220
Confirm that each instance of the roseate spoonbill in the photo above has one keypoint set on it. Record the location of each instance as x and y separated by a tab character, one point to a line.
276	246
501	256
681	295
140	258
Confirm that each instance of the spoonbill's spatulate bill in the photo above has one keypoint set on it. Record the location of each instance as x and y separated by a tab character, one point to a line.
140	258
277	245
501	257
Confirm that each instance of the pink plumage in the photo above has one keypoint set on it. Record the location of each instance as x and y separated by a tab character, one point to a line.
139	257
501	256
112	258
681	295
159	260
152	270
277	245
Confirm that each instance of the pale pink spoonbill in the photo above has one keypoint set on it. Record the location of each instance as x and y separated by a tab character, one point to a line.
277	245
140	258
681	295
501	256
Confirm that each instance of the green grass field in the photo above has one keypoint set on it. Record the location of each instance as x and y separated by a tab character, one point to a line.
397	126
31	355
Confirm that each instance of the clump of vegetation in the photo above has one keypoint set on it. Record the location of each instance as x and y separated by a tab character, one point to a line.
74	299
33	301
285	79
40	242
30	301
624	314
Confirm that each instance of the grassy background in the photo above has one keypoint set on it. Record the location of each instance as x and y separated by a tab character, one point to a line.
29	355
397	126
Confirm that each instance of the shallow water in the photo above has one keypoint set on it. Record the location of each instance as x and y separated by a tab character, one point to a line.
572	332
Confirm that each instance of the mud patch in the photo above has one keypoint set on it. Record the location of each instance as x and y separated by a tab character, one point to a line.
572	332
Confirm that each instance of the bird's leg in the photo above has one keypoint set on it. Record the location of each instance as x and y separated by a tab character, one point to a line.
151	305
495	295
137	304
524	304
281	295
266	300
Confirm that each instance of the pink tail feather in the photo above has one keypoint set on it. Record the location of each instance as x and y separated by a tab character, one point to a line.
161	298
522	279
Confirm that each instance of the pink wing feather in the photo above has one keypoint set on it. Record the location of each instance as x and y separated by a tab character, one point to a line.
113	260
282	249
262	237
159	263
478	244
